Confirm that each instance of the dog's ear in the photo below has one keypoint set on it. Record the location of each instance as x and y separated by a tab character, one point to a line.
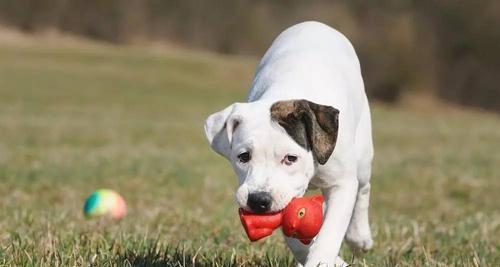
310	125
219	128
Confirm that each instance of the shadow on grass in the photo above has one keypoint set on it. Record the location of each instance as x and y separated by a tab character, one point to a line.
182	257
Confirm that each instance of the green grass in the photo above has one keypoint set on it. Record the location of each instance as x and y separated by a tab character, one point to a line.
77	118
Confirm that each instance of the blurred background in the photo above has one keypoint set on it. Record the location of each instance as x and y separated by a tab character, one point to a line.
446	48
114	94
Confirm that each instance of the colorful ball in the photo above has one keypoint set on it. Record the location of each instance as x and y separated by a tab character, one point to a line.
105	202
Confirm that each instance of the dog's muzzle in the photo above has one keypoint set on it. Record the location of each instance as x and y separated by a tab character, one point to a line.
260	202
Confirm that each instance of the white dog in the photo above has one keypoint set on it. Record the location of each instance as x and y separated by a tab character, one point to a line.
306	125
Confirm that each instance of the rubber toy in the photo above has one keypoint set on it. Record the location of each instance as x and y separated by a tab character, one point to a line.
258	226
301	219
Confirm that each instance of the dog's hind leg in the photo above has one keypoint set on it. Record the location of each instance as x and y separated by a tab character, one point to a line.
358	234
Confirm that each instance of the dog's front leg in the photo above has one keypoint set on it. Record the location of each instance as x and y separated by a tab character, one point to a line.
300	252
340	199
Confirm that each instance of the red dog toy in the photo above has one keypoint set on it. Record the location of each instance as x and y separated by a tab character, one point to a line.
301	219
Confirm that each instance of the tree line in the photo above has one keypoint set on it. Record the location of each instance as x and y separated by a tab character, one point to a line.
449	48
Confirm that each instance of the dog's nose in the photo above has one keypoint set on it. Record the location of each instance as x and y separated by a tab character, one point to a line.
259	202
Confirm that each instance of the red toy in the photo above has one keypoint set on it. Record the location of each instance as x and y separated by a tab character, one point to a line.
258	226
301	219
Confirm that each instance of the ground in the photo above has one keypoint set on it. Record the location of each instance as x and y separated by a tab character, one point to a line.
75	117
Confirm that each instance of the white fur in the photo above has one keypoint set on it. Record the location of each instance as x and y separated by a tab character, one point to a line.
308	61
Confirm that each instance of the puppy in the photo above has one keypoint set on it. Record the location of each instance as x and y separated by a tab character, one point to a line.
306	124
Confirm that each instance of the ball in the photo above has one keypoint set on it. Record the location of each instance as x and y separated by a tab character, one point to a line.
105	202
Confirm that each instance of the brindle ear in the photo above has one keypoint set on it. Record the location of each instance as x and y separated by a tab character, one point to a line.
311	125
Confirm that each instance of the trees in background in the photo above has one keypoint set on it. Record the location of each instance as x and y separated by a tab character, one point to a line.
446	47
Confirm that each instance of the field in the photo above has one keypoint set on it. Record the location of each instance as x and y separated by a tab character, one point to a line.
75	117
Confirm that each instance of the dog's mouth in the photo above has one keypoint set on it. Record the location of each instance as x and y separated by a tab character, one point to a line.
276	207
279	201
269	212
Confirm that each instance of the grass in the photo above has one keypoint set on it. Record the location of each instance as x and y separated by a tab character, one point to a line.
74	118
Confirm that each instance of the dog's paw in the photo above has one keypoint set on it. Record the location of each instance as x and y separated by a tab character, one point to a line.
358	241
338	263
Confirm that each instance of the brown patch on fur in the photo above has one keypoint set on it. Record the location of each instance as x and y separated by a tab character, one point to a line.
312	126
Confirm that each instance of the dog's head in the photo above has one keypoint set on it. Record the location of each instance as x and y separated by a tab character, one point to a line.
273	148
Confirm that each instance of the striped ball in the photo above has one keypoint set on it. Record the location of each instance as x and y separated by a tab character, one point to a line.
105	202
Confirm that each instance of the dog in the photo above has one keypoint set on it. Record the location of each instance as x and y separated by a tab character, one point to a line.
306	124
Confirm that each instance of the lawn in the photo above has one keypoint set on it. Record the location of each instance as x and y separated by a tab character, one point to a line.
75	117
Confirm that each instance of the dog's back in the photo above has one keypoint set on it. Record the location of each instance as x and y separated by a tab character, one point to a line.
311	61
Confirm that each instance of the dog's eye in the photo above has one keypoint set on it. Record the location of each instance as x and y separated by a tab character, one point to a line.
289	159
244	157
301	212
